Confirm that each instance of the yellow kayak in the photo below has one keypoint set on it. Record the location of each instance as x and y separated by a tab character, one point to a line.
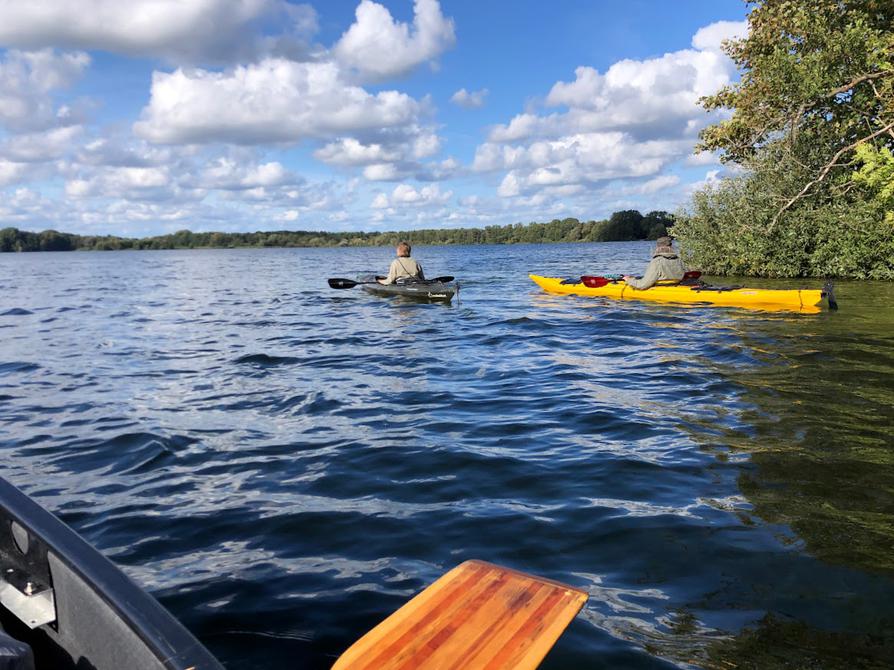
803	300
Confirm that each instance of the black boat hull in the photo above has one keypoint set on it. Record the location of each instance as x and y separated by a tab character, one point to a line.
98	618
429	291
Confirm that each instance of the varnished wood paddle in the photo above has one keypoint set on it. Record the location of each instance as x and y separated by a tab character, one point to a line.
476	616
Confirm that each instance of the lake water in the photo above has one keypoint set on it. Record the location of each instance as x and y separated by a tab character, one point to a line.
283	465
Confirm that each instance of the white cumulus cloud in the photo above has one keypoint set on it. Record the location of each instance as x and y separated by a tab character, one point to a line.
230	175
275	100
580	158
630	122
278	100
349	151
124	151
658	183
396	156
382	172
711	37
469	99
12	172
377	47
27	83
711	178
656	95
126	181
197	31
409	196
41	146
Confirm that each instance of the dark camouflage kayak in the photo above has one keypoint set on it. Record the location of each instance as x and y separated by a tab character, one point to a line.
429	290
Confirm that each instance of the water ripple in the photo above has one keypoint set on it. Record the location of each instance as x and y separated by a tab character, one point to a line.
283	465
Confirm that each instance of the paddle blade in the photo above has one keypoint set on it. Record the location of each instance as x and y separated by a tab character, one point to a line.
341	283
443	280
594	282
477	616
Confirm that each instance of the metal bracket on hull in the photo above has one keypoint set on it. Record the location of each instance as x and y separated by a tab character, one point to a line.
24	576
33	603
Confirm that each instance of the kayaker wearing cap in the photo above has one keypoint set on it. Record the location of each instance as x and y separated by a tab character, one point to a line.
666	264
403	266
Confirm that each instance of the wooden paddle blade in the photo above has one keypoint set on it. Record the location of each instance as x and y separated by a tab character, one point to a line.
341	283
594	282
476	616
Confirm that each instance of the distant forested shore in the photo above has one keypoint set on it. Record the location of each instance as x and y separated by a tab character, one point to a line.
621	226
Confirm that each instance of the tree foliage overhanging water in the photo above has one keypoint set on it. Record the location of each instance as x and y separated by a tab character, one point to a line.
812	133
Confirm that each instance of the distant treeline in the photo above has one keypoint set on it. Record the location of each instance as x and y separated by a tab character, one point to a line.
621	226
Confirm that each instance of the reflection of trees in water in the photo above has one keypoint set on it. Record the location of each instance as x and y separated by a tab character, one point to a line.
818	433
803	407
822	449
778	643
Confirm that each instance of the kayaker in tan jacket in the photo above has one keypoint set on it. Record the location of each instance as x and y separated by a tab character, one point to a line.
666	264
403	266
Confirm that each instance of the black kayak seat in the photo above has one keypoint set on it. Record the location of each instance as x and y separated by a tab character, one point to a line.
14	654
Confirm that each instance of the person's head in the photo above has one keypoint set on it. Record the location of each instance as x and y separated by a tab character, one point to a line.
664	245
403	250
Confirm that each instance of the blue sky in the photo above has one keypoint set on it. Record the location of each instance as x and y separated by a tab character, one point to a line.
150	116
